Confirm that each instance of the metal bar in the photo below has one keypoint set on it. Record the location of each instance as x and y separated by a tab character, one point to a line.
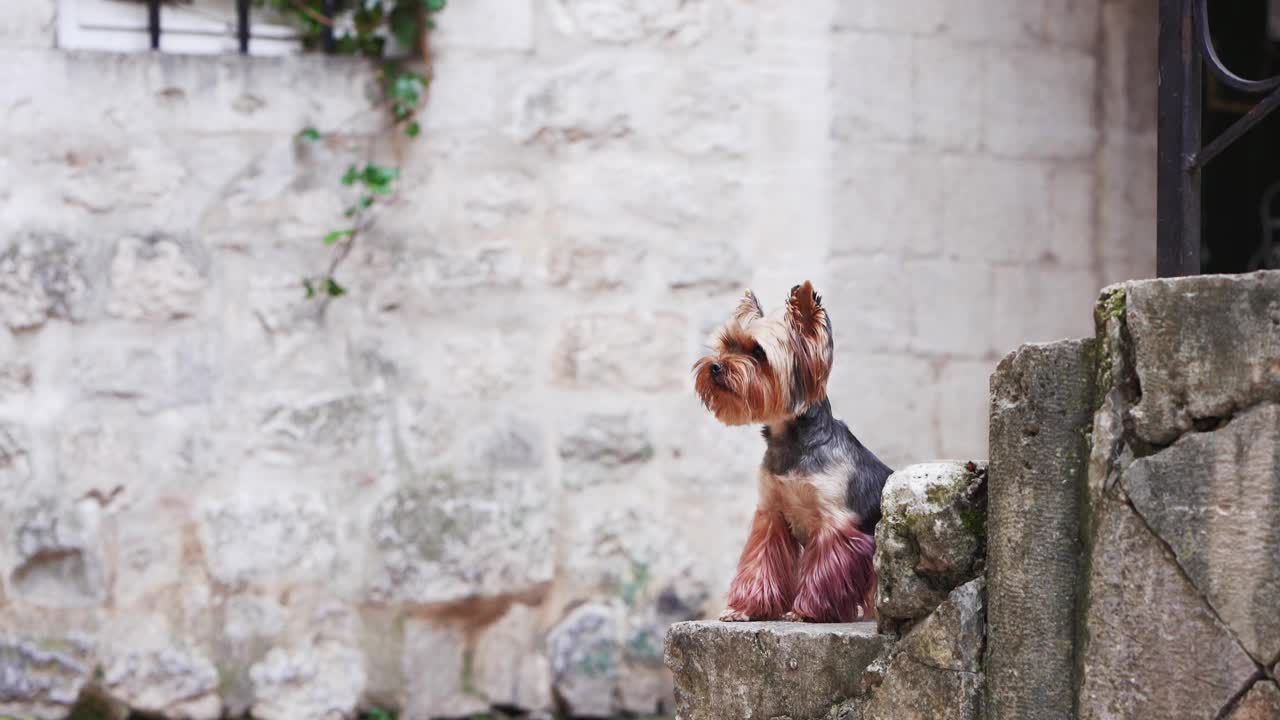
326	35
153	22
1216	66
1178	134
1235	131
242	22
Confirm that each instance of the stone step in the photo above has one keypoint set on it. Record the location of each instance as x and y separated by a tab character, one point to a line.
739	671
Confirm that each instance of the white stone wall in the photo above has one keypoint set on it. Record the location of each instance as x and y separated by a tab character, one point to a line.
483	474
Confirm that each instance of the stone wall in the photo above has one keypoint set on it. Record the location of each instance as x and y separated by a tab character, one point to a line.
481	477
1133	553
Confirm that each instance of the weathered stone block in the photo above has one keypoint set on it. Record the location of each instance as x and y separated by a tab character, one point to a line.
915	691
1041	405
510	668
872	99
1214	499
946	113
486	25
42	277
609	21
584	100
326	679
951	637
451	537
596	261
1262	702
931	537
1038	114
905	16
586	657
936	669
29	24
1148	632
268	538
42	679
168	681
873	199
436	670
706	114
58	557
730	671
1193	367
156	280
601	447
645	351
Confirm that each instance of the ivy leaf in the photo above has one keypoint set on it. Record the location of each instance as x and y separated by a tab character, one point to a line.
310	134
337	235
311	289
404	24
332	287
434	6
379	178
413	129
350	176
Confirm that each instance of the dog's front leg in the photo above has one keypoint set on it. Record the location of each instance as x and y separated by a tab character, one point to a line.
836	574
765	584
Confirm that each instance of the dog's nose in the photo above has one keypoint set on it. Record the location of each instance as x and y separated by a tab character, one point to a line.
716	369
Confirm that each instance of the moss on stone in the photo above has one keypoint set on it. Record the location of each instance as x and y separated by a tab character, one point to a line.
974	521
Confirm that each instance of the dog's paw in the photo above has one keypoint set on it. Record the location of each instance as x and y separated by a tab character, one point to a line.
731	615
793	617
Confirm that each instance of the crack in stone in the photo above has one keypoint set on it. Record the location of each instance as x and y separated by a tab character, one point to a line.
1204	599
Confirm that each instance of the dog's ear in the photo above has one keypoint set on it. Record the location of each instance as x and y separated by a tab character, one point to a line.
805	313
811	338
748	309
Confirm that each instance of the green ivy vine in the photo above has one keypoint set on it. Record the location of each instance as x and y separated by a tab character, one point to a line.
395	34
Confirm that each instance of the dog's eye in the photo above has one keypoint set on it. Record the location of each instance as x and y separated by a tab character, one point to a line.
758	353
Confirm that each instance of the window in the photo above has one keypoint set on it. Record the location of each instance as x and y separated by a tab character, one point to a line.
190	27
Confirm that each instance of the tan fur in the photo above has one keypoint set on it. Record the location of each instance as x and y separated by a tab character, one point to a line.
806	501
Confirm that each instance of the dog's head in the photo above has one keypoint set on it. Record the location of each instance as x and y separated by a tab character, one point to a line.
766	369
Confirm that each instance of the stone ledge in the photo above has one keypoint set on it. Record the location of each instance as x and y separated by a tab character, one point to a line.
732	671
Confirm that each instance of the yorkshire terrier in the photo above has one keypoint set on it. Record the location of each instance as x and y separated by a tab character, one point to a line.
808	556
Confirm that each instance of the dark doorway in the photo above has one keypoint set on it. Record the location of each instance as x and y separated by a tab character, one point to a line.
1234	185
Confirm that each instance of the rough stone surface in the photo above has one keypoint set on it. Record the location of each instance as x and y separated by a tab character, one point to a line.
41	277
171	682
268	538
936	668
509	668
42	678
638	350
154	280
314	681
440	682
1041	404
586	656
931	536
1214	499
951	637
58	561
1262	702
1192	366
1147	631
600	448
457	536
767	670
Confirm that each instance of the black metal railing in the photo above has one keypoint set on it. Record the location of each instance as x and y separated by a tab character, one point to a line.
243	34
1186	46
